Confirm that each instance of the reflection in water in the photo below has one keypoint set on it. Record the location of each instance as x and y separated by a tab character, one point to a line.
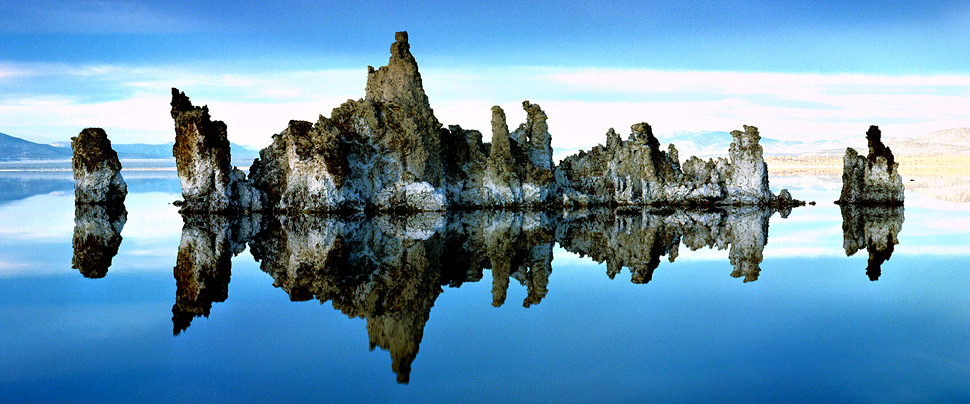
389	270
637	241
97	236
874	228
202	270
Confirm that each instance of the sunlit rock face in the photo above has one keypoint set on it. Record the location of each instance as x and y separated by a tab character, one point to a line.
387	152
874	228
636	172
97	237
203	268
872	179
97	171
201	150
382	152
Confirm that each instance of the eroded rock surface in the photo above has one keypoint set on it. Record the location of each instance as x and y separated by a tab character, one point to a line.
875	228
636	172
201	150
871	179
387	152
97	171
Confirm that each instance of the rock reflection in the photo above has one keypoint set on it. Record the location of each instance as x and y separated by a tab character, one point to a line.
202	270
638	240
874	228
389	270
97	236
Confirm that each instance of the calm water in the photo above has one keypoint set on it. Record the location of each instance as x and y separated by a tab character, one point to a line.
482	307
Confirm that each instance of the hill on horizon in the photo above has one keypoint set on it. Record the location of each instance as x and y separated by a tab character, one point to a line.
14	149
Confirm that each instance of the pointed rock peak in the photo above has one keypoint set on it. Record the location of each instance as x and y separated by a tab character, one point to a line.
401	48
874	135
877	148
533	111
398	82
642	133
613	141
748	137
180	102
499	126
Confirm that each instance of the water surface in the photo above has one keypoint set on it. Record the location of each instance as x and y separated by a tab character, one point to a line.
716	306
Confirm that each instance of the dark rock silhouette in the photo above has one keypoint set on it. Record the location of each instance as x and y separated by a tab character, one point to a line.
97	237
872	179
97	171
874	228
387	152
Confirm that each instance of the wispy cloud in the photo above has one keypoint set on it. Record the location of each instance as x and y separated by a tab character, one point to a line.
132	101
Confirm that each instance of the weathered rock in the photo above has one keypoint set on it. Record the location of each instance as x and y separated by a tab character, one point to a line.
875	228
387	152
97	237
637	172
382	152
872	179
519	169
97	171
201	150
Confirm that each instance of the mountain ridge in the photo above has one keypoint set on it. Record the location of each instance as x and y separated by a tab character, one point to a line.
13	148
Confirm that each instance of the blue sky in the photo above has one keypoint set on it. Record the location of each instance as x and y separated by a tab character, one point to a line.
806	70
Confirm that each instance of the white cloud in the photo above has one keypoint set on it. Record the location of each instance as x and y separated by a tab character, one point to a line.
132	102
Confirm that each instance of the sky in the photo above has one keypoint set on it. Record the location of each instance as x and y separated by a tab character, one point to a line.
822	70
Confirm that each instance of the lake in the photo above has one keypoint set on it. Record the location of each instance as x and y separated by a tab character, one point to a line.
736	305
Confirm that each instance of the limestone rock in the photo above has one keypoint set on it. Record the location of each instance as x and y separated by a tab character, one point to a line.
637	172
201	150
872	179
97	171
382	152
387	152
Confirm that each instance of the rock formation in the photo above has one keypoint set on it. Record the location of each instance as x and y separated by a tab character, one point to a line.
872	179
97	236
636	172
875	228
201	150
97	171
387	152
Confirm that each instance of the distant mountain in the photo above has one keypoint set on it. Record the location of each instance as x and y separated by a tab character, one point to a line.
13	148
956	136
